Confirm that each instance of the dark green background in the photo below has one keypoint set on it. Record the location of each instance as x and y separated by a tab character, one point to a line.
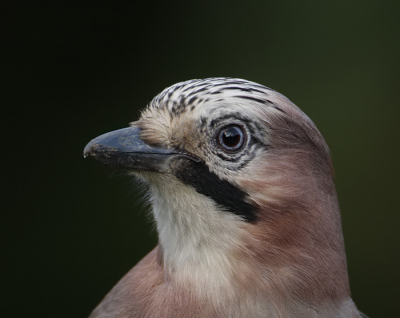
70	228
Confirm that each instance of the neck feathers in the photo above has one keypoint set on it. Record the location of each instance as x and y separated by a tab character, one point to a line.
292	257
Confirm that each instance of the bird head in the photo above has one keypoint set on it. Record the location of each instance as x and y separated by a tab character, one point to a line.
241	187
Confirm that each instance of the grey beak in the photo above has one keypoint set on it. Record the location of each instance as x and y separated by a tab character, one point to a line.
123	149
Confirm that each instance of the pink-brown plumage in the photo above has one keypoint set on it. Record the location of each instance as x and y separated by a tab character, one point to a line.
279	254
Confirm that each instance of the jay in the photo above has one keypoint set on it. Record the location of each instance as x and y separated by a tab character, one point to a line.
241	188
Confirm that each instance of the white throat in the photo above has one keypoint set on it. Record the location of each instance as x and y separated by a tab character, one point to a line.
199	239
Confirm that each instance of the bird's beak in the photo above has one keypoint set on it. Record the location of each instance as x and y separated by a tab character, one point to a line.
123	149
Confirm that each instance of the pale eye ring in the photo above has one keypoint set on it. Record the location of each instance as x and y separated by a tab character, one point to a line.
231	137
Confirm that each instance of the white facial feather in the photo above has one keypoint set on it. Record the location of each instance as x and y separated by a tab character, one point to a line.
197	236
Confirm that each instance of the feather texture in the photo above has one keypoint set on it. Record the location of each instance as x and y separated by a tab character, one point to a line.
254	232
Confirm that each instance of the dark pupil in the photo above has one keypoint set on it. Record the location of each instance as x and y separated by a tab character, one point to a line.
231	137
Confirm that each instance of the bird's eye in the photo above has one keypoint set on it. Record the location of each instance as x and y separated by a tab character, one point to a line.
231	137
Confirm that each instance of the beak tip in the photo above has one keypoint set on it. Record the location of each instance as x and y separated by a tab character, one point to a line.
87	151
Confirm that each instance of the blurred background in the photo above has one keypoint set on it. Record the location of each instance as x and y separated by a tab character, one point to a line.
71	228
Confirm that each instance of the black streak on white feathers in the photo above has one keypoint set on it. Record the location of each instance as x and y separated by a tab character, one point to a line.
222	192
